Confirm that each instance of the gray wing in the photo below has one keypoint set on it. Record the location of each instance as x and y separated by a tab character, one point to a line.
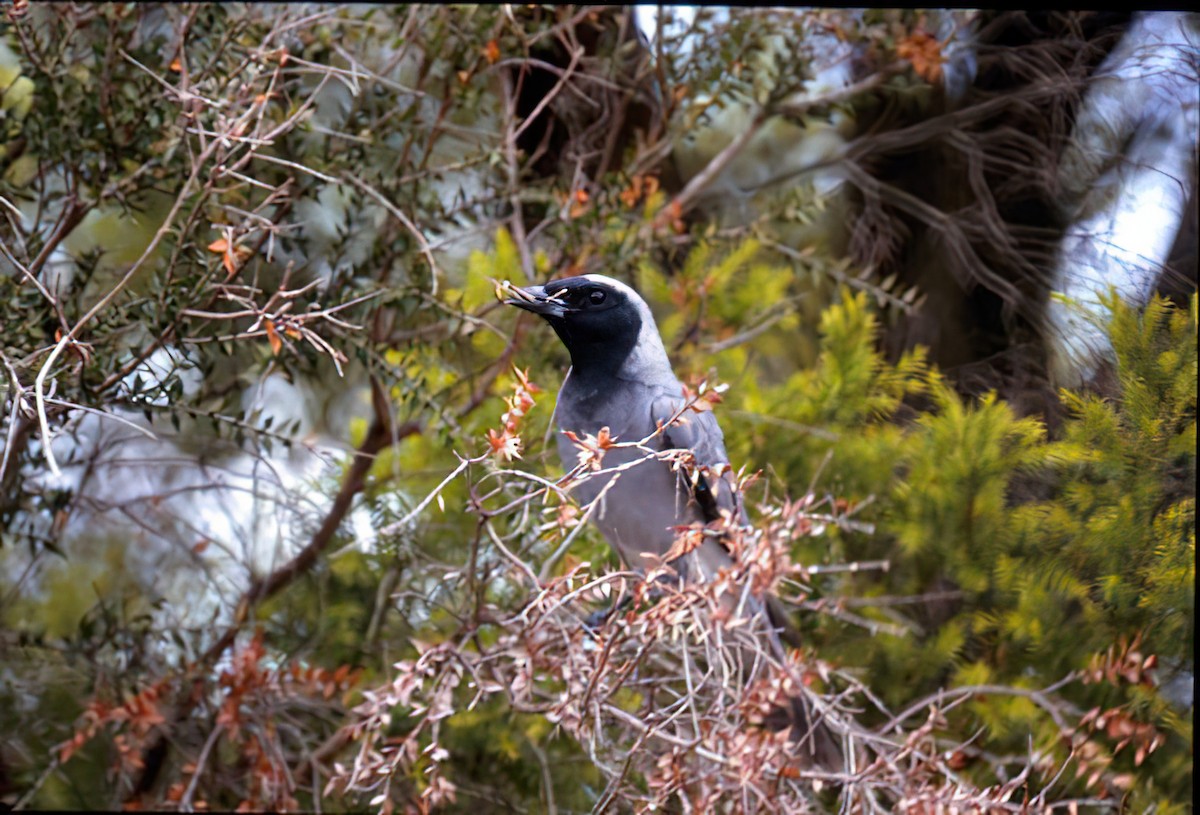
699	432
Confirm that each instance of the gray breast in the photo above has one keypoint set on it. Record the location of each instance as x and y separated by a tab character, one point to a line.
637	511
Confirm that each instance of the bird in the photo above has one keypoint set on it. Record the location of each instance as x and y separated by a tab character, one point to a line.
621	383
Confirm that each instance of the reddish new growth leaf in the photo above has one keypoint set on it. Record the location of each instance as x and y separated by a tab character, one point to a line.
641	187
143	711
69	747
82	350
687	539
273	337
492	52
232	255
925	53
506	444
566	517
140	712
1122	662
704	398
579	203
672	214
241	678
16	10
591	448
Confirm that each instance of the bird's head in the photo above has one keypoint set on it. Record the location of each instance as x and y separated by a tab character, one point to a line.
605	325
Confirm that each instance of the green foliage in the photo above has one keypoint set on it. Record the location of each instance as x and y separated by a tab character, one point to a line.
1005	587
513	751
390	184
1017	558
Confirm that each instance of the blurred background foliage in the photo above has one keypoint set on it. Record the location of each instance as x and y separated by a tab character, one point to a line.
237	543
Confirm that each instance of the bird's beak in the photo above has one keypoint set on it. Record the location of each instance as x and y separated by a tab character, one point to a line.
535	299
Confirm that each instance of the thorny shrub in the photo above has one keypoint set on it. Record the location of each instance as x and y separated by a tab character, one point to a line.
255	709
215	133
669	692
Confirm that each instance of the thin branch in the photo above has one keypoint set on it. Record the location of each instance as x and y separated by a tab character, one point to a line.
406	221
102	303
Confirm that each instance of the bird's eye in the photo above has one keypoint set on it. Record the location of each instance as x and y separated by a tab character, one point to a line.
596	296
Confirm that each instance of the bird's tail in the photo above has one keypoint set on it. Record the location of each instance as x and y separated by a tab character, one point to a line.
815	742
782	623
